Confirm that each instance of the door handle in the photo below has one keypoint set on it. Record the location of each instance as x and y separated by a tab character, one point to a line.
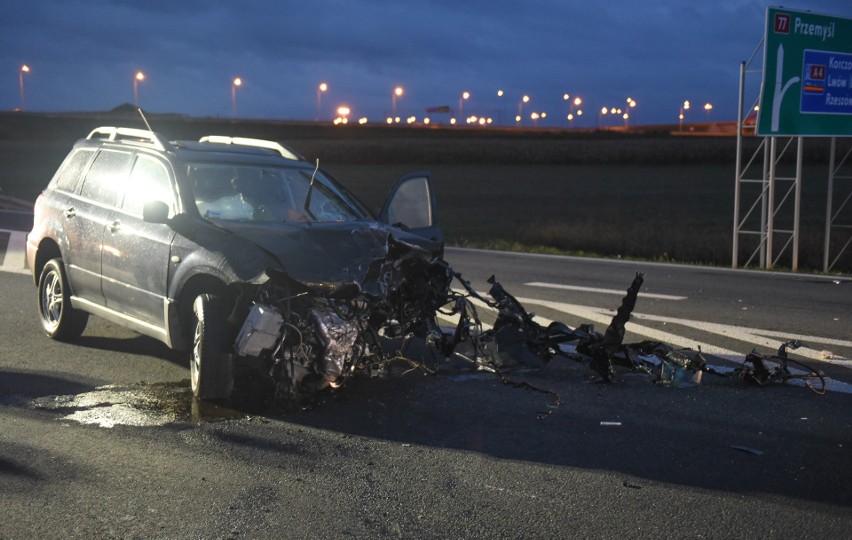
115	226
70	212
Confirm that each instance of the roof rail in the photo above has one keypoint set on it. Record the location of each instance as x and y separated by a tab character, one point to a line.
111	133
257	143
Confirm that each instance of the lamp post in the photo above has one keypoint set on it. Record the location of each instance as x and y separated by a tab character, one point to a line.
631	104
24	69
397	92
708	107
520	117
684	107
321	89
234	84
464	96
139	77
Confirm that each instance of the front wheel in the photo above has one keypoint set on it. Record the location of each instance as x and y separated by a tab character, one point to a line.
211	364
58	318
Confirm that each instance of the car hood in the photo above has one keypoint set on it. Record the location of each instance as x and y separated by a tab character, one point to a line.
330	252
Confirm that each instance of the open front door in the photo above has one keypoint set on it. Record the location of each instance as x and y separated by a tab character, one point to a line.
412	206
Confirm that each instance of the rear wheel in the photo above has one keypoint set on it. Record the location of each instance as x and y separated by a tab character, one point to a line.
58	318
211	364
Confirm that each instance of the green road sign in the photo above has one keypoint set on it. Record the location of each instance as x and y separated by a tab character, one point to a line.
807	75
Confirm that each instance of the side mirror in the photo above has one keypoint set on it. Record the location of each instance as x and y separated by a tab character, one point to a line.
155	212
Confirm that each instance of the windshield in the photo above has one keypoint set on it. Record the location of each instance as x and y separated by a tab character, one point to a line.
227	191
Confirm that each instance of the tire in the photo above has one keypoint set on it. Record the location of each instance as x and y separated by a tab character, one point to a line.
59	319
210	363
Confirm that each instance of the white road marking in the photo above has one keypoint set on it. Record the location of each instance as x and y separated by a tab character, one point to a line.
601	291
15	259
751	336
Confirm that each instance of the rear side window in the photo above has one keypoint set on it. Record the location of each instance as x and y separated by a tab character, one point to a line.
107	175
149	181
73	170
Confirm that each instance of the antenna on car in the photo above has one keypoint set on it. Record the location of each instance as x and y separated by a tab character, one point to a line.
144	119
310	189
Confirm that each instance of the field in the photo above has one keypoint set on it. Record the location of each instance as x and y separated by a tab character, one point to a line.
643	195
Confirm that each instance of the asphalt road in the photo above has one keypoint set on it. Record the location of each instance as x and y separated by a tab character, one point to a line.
457	455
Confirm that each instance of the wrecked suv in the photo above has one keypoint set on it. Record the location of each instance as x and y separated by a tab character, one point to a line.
238	250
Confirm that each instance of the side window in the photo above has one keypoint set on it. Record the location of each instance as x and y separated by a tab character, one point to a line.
411	204
106	176
73	170
148	181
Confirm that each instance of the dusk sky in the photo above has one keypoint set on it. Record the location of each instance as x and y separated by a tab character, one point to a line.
83	56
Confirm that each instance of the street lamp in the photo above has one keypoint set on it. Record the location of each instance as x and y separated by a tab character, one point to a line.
234	84
397	92
708	107
321	89
576	103
136	80
631	104
684	107
462	98
24	69
524	99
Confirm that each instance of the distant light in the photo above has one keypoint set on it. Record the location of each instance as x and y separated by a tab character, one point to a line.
139	76
708	107
427	120
544	115
577	101
525	99
534	116
398	91
465	95
323	87
612	110
490	121
25	68
565	97
680	116
343	110
390	120
518	118
411	120
603	110
237	81
570	117
625	116
757	107
580	112
686	104
452	121
499	93
396	120
362	121
482	121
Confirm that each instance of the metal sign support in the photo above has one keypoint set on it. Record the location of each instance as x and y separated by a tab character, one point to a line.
832	216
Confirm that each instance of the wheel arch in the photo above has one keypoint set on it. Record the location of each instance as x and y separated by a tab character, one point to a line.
47	249
194	286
